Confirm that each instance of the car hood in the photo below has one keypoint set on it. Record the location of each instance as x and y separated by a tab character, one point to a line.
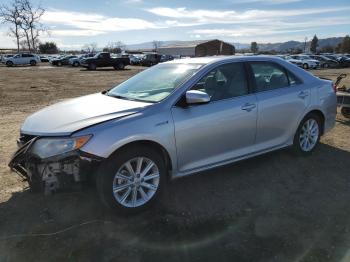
74	114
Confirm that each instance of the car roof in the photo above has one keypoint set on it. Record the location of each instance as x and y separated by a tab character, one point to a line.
214	59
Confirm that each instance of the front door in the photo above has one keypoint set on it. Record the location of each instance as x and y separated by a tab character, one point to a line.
222	129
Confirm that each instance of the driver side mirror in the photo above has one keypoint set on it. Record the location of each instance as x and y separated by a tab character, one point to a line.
197	97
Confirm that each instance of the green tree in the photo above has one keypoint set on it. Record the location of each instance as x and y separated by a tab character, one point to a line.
254	47
327	49
48	48
314	44
345	45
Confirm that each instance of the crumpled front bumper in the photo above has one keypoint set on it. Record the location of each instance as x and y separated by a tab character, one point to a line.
58	173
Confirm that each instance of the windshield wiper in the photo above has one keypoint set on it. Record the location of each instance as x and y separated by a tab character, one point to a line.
118	96
126	98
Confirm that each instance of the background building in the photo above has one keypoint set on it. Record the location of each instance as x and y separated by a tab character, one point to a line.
198	48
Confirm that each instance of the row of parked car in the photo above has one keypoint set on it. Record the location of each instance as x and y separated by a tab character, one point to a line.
149	59
117	61
311	61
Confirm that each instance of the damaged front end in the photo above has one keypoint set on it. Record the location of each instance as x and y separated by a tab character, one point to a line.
61	172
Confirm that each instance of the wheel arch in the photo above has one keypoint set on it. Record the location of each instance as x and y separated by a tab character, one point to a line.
149	143
321	116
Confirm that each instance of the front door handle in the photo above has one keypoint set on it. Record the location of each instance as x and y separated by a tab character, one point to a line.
248	107
303	94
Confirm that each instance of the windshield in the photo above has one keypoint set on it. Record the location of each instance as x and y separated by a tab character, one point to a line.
156	83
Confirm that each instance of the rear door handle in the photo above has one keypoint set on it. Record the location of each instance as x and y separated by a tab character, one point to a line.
248	107
303	94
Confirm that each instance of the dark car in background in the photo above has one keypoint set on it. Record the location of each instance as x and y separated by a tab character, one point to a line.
325	62
63	60
165	58
150	59
344	61
104	59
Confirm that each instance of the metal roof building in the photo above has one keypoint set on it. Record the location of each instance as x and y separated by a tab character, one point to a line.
198	48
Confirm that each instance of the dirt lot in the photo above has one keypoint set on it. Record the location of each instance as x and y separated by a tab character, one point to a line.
275	207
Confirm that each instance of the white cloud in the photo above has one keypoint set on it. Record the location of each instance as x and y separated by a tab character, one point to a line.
271	2
86	24
204	16
273	27
74	32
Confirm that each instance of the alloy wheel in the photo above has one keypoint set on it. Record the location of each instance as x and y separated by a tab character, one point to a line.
136	182
309	135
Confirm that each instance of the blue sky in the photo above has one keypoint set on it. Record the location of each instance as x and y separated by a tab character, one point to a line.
73	23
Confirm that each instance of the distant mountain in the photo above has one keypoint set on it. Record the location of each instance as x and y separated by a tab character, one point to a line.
279	47
286	46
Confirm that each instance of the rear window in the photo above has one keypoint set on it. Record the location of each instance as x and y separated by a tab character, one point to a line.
269	76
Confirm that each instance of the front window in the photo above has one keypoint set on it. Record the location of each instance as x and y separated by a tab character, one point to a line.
154	84
224	82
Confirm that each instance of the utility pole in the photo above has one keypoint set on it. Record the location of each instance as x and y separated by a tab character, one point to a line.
305	44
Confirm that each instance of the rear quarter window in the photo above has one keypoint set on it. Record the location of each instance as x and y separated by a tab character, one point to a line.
270	76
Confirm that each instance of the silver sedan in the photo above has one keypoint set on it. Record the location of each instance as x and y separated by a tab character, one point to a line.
174	119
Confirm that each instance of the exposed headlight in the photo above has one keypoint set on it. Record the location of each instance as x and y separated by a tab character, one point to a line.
47	147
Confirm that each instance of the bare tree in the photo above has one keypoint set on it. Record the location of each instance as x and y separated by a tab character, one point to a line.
31	16
156	45
11	14
114	47
24	21
90	48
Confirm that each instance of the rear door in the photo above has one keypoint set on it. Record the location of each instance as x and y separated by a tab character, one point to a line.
26	59
282	100
222	129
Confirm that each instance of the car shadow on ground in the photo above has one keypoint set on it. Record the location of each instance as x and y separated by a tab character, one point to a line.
275	207
103	69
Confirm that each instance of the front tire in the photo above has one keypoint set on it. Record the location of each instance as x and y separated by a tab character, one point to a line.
308	135
305	66
33	63
92	67
131	180
9	63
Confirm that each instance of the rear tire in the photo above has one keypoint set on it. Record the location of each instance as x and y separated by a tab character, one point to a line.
345	111
76	64
326	65
308	135
59	64
305	66
120	66
139	191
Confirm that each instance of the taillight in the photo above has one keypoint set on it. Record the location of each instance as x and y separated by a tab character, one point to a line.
334	87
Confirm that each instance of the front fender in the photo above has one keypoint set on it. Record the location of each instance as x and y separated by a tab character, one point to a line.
112	135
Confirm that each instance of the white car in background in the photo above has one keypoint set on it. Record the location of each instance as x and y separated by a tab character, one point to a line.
22	59
307	61
291	60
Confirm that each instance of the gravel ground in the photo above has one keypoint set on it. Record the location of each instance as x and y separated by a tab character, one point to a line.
275	207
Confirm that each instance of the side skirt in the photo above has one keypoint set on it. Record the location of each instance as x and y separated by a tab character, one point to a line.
226	162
